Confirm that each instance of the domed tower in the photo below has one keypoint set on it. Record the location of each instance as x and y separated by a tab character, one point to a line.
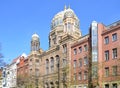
35	43
64	22
71	23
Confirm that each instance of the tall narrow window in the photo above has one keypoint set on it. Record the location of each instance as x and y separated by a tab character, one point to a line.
37	72
64	62
85	75
80	76
114	37
107	55
85	60
75	51
106	71
75	64
80	49
47	66
114	53
85	48
114	69
64	48
70	27
80	62
106	40
52	64
37	62
57	61
54	40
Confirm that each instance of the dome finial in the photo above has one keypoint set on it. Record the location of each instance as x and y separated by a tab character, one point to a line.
65	7
35	35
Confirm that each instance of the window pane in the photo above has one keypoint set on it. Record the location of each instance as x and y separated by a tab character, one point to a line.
80	76
80	63
114	37
85	61
75	51
114	70
80	49
75	64
106	40
115	53
106	55
106	71
85	48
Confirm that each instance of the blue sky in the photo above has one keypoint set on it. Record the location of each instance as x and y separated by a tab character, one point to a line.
19	19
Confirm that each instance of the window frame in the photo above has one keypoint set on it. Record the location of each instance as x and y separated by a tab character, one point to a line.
80	49
106	71
85	47
106	53
114	53
75	63
114	70
85	60
80	76
106	40
75	51
114	37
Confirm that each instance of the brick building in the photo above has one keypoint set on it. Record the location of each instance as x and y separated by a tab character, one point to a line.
111	55
22	71
103	57
79	61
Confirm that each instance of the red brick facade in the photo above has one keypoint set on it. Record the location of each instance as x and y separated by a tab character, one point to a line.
108	58
113	62
22	70
79	61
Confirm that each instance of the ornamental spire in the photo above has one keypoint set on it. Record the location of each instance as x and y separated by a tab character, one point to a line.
65	7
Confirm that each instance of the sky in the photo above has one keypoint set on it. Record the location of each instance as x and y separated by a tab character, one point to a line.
19	19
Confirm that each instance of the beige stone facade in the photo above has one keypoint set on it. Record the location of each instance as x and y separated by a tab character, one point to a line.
51	68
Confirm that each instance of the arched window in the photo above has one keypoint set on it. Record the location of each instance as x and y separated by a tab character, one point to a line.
52	64
47	66
37	72
64	62
70	27
37	62
57	61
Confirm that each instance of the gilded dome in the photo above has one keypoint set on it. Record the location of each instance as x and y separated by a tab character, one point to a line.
60	16
69	13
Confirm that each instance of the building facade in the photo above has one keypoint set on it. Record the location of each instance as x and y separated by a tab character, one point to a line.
111	55
103	57
22	71
0	77
72	60
79	62
51	68
9	75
